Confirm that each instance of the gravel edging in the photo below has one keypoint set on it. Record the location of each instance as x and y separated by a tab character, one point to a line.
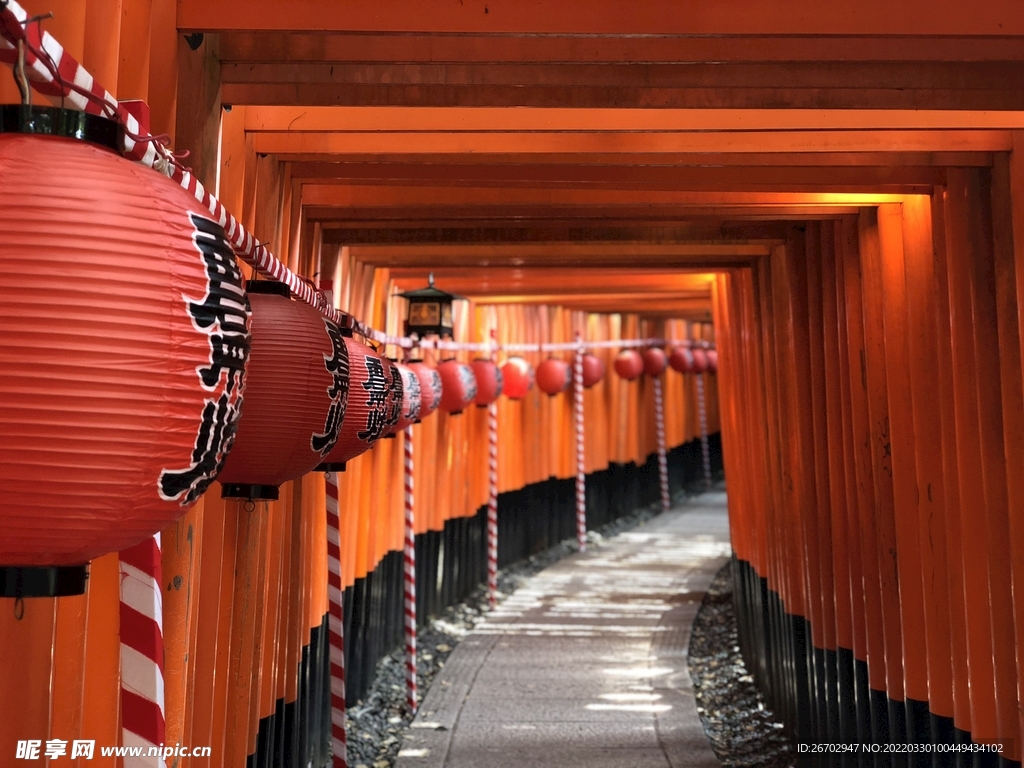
743	731
377	724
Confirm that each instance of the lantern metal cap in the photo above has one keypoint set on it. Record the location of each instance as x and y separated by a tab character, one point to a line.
66	123
430	293
250	491
43	581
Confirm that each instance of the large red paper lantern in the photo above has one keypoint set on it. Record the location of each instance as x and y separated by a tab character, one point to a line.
518	377
681	360
412	399
553	376
124	336
629	365
431	388
369	409
700	360
712	360
295	398
654	361
459	385
489	382
593	370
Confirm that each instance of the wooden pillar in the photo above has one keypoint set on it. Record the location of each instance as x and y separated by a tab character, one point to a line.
197	118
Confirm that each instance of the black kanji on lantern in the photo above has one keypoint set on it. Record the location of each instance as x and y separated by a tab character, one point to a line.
337	365
376	387
430	311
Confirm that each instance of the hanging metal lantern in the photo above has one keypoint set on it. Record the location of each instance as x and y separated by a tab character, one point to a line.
296	395
681	359
412	398
431	388
593	370
554	376
459	386
124	338
489	382
629	365
518	376
430	311
369	408
654	361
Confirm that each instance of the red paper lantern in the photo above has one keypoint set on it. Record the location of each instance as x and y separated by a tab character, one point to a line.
700	360
629	365
654	361
412	398
459	386
593	370
489	381
124	336
681	360
295	396
518	377
553	376
431	388
367	413
395	398
712	361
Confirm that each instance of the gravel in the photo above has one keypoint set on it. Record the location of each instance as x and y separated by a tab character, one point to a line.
377	724
743	731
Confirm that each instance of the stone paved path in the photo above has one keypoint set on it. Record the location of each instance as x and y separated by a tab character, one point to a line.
585	665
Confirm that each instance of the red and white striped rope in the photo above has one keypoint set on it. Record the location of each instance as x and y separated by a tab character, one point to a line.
581	455
702	416
659	425
336	626
412	698
492	496
142	651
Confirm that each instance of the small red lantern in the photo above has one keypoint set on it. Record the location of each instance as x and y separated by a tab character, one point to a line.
700	360
712	360
395	400
629	365
124	339
681	360
489	381
518	376
431	388
295	397
412	399
459	386
369	409
593	370
654	361
553	376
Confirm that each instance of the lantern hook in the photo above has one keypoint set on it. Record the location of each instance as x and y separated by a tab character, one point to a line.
19	76
19	608
430	280
249	506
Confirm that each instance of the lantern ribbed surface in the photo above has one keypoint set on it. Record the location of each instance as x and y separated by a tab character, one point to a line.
459	385
123	343
395	398
489	381
593	370
629	365
366	413
681	360
712	360
293	402
654	361
554	376
518	376
412	399
431	387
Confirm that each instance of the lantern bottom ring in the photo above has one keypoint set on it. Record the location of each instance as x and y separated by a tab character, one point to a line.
249	491
331	466
43	581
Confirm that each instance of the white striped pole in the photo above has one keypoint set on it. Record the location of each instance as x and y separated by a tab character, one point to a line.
410	578
492	495
336	625
142	651
659	417
703	416
581	477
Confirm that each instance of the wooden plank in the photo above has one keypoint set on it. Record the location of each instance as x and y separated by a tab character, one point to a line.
197	128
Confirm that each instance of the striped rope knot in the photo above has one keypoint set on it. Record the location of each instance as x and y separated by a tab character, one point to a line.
142	649
336	624
659	417
581	469
410	577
